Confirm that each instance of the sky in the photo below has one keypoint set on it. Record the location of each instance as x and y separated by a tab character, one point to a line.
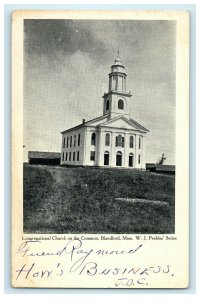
66	66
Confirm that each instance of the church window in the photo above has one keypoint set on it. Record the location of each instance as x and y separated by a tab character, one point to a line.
66	154
69	156
93	139
107	105
70	141
92	155
119	141
120	104
139	146
106	158
131	144
107	139
64	143
75	141
79	137
74	156
139	159
67	142
119	159
130	160
77	155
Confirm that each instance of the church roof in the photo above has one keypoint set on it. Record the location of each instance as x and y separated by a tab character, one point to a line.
105	120
85	124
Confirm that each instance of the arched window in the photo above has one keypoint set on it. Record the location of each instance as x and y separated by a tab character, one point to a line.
107	139
131	142
66	154
119	141
67	142
75	141
74	156
130	160
107	105
119	159
79	139
139	146
69	156
93	139
139	159
106	158
63	156
64	143
70	141
120	104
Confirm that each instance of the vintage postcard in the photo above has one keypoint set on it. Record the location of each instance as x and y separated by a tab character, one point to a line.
100	139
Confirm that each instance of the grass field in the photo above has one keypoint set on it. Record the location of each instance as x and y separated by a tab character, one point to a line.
82	200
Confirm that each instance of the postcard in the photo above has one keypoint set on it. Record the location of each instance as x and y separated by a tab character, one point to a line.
100	149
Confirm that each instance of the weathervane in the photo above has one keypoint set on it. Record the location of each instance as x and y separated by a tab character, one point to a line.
118	50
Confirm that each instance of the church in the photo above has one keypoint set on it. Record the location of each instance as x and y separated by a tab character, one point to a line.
111	140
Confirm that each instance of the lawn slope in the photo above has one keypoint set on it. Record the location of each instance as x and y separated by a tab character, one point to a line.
82	200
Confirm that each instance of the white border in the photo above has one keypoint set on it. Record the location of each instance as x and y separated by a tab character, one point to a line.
197	130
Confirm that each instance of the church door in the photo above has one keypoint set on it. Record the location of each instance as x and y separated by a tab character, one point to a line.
130	161
119	159
106	158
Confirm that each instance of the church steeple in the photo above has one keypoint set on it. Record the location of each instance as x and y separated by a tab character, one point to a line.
116	100
117	77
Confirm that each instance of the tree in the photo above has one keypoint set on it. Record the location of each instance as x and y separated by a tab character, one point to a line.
161	159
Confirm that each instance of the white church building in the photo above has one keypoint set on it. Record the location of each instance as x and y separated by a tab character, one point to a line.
111	140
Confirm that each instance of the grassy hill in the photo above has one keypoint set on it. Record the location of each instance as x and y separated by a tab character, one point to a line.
83	200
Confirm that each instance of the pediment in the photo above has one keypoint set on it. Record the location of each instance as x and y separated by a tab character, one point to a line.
120	123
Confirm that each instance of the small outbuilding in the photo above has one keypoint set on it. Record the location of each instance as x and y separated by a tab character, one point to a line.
43	158
161	169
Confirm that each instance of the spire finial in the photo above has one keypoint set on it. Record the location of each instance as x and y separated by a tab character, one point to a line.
118	50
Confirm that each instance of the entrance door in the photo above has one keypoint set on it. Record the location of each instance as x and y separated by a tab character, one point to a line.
106	159
130	161
119	159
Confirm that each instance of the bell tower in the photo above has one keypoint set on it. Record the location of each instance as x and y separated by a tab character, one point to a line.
117	99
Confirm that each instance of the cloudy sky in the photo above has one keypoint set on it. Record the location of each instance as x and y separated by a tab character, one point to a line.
66	66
